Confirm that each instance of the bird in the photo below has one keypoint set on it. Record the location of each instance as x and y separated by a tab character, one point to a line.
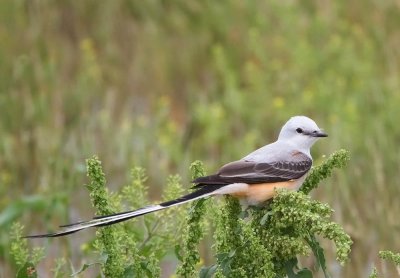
252	179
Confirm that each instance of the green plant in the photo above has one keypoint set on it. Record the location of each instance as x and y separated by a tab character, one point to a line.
268	244
132	248
193	231
25	259
259	242
388	256
374	273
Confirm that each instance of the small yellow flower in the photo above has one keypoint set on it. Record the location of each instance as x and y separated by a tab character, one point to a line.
278	102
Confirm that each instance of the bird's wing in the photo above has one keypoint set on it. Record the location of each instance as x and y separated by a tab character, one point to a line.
244	171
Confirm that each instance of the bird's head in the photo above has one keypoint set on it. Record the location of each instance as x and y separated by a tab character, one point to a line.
302	132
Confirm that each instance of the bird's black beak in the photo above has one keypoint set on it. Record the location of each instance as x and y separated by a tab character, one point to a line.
318	133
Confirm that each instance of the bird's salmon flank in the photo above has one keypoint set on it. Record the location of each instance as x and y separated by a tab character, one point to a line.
265	191
254	194
253	179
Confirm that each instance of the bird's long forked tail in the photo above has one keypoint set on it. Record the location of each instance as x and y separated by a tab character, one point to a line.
106	220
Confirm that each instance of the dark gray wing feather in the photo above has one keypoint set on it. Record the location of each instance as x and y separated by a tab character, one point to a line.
250	172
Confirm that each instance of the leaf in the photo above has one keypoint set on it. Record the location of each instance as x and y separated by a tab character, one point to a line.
221	256
208	272
83	268
289	265
302	273
129	272
224	261
145	267
264	219
319	254
15	209
243	214
28	270
177	251
102	260
226	267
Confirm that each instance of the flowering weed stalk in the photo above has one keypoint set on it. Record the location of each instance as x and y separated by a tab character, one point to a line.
107	238
259	242
267	243
24	259
194	229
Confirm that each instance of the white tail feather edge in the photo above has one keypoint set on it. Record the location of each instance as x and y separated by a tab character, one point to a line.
120	217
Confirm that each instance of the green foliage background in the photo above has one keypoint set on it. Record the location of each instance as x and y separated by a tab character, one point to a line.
161	83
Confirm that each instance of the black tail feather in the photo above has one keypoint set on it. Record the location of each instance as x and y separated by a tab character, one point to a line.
100	221
201	191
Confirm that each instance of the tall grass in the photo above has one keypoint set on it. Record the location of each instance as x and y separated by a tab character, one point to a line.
160	84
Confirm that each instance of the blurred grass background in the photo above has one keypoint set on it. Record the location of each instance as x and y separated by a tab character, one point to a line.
162	83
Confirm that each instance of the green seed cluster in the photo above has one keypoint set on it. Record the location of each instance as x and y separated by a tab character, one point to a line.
338	159
107	239
267	242
136	192
389	255
295	215
374	273
19	246
194	229
239	250
24	259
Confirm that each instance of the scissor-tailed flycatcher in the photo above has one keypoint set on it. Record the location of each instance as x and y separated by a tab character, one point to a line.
252	179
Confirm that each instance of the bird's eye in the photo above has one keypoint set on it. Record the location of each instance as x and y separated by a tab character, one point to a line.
299	130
